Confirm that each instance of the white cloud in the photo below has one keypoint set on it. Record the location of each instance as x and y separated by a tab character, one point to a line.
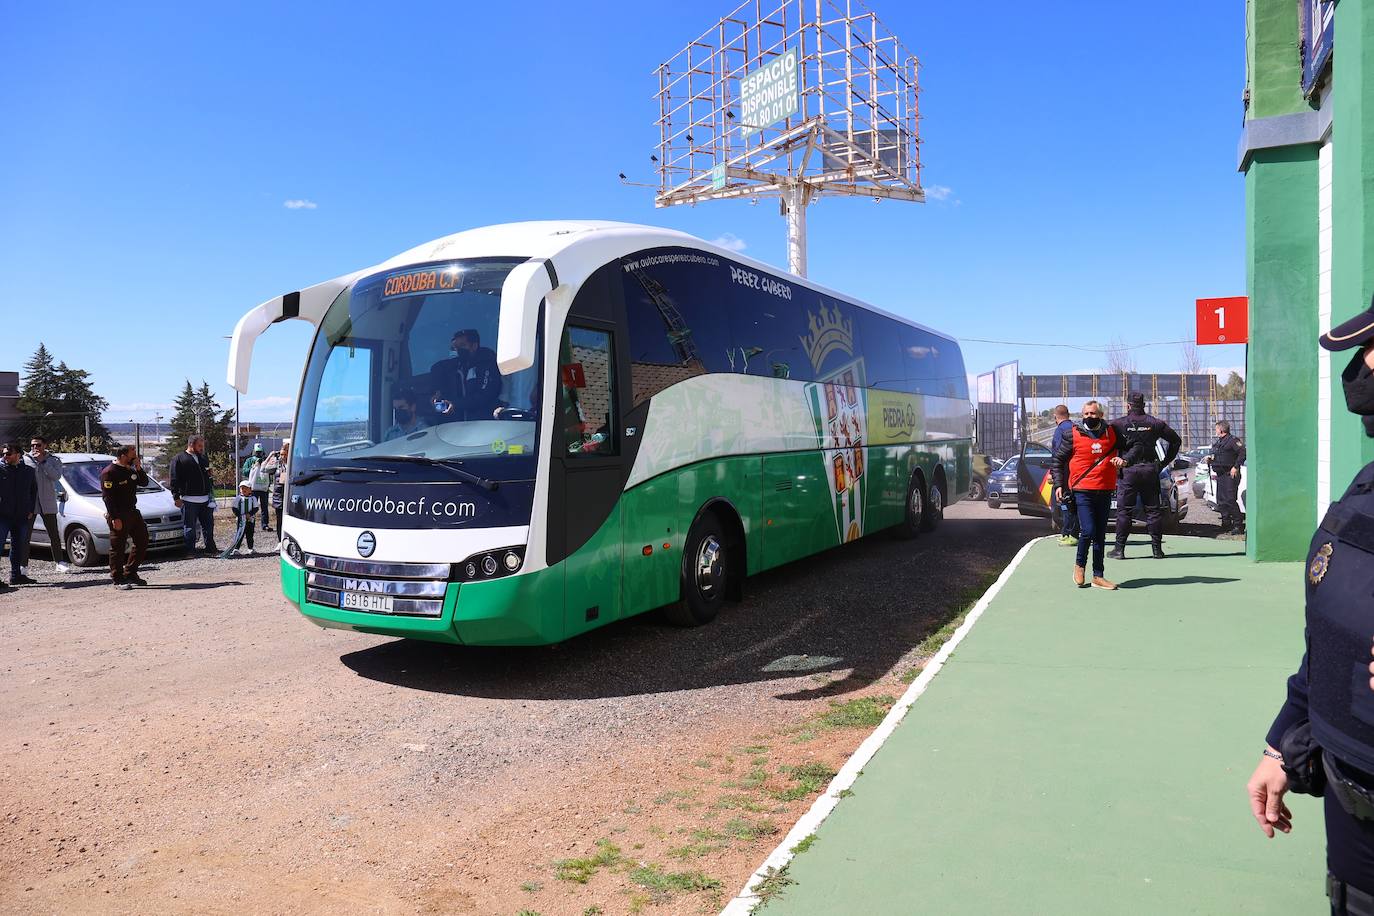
730	242
939	192
298	203
137	406
275	400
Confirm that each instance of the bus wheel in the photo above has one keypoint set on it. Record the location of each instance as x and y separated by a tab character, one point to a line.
911	524
707	564
935	508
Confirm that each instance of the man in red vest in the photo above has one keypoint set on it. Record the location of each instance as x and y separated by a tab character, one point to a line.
1085	466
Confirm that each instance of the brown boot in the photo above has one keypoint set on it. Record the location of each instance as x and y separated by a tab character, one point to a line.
1099	582
1078	573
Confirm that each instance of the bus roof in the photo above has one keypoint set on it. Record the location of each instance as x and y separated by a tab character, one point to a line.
561	240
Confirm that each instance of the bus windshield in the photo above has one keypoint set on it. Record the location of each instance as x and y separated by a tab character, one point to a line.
404	366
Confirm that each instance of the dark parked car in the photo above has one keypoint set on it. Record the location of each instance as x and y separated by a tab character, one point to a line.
1035	487
1002	484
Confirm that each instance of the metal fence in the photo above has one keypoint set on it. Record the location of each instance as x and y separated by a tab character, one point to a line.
996	430
1195	420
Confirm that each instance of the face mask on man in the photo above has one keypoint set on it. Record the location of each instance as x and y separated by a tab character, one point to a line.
1093	423
1358	382
404	414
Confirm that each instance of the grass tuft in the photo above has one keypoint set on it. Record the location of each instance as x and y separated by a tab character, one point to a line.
806	843
663	885
580	871
774	882
810	778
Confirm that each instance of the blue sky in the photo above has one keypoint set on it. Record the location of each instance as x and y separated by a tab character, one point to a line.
1082	154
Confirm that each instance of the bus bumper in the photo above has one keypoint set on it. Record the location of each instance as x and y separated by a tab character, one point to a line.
521	610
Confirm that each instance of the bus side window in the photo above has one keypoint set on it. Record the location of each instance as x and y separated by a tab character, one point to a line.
586	393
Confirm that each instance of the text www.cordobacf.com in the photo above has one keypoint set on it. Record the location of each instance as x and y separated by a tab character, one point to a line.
385	505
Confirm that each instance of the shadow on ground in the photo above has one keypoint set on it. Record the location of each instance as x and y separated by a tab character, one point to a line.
860	608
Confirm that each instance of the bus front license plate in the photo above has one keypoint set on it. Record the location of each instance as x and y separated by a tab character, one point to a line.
364	601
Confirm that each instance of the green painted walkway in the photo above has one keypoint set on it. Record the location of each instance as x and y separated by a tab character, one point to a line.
1085	752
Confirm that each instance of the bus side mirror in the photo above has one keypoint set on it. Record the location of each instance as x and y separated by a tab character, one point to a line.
525	287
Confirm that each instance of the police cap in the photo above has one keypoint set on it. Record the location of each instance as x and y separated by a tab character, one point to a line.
1354	332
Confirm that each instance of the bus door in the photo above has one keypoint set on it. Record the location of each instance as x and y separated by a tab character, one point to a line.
588	457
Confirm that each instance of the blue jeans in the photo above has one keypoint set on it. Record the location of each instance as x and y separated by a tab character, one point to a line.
17	531
1093	507
1068	518
198	516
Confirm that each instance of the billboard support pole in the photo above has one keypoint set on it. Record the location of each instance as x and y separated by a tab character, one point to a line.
794	205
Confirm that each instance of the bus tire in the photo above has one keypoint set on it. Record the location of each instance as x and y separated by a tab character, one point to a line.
934	512
911	524
707	568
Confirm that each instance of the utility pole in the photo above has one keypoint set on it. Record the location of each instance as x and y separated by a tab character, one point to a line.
87	418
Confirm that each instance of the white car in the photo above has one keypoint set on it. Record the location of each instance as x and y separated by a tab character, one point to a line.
81	512
1209	487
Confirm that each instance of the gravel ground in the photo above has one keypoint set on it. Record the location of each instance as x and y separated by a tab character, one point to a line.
197	746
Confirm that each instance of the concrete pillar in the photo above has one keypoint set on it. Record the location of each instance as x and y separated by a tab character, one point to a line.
1281	198
1352	215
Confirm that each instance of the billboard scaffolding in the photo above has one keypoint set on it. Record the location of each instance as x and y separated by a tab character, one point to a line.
790	99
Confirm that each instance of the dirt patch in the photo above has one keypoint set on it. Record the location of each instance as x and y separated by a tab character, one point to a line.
198	747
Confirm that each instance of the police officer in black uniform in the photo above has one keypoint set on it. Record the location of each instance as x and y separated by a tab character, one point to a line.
1228	454
1330	704
119	484
1136	435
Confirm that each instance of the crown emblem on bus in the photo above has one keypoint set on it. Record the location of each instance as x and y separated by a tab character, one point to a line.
829	332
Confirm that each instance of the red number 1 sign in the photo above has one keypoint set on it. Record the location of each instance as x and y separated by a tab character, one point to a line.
1223	321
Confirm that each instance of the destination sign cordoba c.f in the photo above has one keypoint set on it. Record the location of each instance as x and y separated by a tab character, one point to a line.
769	94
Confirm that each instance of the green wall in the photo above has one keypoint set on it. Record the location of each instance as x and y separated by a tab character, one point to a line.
1281	276
1275	77
1352	215
1281	376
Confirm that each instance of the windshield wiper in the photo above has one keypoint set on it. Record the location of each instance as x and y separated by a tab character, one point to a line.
317	473
449	465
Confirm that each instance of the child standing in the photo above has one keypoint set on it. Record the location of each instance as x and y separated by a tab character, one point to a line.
245	506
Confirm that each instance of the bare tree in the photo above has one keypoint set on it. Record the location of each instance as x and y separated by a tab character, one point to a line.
1120	358
1189	362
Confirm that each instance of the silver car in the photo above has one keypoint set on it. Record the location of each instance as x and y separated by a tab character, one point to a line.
81	512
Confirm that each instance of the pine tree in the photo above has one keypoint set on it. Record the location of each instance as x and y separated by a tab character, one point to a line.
196	412
40	383
183	424
1233	390
59	399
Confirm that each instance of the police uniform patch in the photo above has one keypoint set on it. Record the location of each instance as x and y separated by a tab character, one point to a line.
1316	570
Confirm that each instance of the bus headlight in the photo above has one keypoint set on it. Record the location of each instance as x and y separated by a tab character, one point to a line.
292	551
491	564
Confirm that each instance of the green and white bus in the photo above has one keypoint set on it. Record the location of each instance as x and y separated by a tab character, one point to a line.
666	417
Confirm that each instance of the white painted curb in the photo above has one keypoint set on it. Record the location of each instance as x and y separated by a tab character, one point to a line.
746	899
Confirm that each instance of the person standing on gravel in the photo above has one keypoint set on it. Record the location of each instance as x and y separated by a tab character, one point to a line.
258	472
279	486
119	485
1085	465
18	498
47	468
192	490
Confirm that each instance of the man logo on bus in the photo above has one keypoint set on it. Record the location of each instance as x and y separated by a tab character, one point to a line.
367	543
